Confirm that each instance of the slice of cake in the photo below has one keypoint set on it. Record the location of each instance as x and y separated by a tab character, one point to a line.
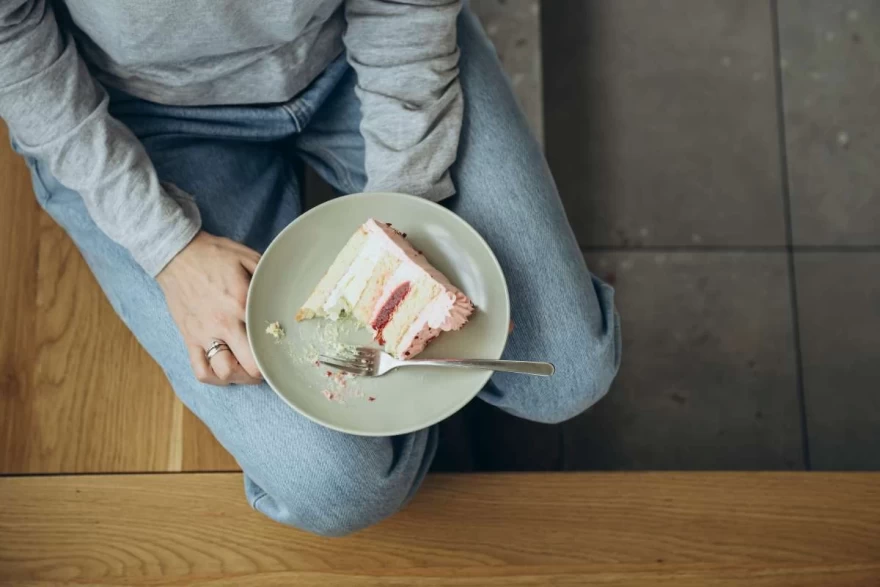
381	281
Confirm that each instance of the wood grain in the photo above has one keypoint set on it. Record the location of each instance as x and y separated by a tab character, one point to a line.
504	529
99	402
200	450
19	237
854	576
77	392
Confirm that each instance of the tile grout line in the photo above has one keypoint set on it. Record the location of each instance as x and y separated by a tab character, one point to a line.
789	232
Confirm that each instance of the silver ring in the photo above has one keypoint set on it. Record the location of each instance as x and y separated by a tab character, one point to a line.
217	346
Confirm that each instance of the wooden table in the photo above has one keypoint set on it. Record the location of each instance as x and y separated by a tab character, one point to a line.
680	529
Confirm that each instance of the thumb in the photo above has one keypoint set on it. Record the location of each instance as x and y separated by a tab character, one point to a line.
248	257
249	260
249	264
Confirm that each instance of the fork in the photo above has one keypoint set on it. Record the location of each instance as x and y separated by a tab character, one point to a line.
370	362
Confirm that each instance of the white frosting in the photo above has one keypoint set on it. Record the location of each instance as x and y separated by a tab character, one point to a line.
403	250
436	313
351	286
449	310
431	317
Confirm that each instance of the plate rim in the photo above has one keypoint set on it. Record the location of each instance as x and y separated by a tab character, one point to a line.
361	195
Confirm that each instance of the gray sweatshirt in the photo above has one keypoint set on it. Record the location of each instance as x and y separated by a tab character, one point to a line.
54	65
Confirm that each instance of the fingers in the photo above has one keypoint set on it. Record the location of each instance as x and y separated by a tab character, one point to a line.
201	368
239	294
249	262
247	257
209	297
238	342
239	290
228	370
224	366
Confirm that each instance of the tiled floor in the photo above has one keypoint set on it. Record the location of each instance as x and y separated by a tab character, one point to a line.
719	162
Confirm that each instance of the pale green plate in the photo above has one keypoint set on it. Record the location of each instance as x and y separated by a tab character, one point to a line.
405	400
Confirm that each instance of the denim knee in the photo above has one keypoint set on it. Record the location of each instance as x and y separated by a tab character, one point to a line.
587	357
333	502
574	391
338	497
594	362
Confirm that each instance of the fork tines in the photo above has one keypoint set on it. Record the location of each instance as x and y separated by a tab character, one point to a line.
354	360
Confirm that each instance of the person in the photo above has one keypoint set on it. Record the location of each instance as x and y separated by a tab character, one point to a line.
165	139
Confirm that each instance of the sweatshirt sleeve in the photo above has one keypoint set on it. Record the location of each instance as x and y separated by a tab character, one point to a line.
406	54
57	113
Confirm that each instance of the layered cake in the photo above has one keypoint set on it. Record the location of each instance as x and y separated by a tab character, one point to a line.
381	281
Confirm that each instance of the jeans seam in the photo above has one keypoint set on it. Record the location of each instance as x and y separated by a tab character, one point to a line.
290	109
39	182
342	171
256	502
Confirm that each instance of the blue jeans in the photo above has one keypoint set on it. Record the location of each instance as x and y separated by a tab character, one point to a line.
240	164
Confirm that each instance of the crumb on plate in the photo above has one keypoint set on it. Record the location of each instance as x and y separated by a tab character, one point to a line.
275	330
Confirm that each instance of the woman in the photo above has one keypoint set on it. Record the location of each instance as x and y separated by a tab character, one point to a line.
163	137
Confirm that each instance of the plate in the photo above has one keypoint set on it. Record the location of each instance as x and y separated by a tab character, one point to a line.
407	399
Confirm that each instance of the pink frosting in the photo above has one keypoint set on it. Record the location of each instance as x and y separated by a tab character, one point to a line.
406	252
448	311
418	342
461	309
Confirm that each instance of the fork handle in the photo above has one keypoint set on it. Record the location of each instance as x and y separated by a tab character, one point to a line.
525	367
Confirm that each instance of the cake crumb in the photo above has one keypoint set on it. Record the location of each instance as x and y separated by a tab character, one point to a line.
275	329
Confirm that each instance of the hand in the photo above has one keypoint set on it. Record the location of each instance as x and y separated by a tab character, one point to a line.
206	287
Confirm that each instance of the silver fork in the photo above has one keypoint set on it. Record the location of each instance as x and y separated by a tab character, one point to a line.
370	362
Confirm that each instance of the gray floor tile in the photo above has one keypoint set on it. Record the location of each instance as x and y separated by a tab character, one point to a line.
708	379
830	53
483	438
661	120
839	307
502	442
455	452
